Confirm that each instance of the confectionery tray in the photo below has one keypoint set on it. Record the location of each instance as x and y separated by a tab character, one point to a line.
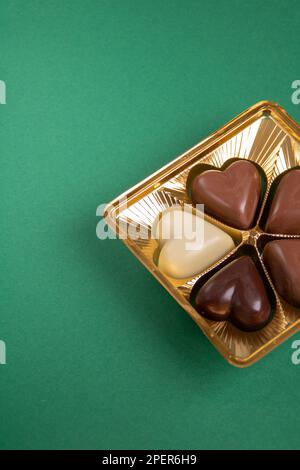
263	134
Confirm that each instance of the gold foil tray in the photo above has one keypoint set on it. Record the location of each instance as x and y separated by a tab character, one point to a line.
264	134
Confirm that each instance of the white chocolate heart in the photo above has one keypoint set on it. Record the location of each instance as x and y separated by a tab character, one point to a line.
176	223
189	244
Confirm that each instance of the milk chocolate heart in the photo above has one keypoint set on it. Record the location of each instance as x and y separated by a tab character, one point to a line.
235	293
231	195
284	215
282	260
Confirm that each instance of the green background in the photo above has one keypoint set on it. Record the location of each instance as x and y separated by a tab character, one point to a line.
100	94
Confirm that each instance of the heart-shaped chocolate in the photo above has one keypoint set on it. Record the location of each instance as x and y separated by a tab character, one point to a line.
282	260
284	214
188	243
235	293
231	195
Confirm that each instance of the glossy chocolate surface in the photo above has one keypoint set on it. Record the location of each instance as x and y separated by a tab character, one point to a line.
282	260
235	293
231	195
182	255
284	215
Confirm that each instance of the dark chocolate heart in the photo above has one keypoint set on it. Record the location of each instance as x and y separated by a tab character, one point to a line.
235	293
284	215
231	195
282	260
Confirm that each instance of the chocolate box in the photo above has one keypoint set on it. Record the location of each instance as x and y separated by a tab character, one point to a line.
264	134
